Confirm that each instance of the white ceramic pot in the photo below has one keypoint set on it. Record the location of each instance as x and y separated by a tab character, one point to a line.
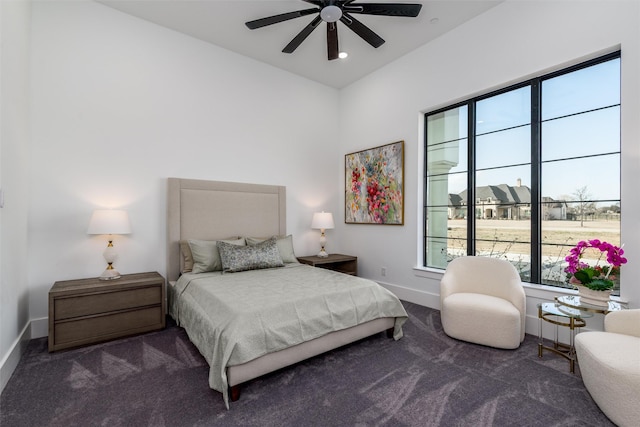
589	296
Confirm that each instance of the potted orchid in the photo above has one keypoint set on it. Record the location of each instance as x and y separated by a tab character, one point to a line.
595	278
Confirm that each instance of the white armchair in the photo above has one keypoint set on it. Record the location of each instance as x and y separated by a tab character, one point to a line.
482	301
610	366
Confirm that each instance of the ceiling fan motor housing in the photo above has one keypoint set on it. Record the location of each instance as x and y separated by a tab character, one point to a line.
330	13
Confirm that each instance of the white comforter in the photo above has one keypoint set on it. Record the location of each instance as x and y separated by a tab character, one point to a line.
234	318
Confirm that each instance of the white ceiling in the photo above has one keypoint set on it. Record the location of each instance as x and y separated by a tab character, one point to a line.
221	22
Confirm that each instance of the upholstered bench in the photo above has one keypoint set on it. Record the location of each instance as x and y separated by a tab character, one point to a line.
610	366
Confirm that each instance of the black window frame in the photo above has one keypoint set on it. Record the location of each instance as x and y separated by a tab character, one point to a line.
536	162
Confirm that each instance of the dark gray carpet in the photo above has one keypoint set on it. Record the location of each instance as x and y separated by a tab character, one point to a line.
425	379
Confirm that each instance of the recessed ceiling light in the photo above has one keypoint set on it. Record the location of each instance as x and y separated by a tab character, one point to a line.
434	20
343	55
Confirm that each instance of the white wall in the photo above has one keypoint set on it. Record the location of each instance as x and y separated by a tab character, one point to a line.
509	43
14	144
120	104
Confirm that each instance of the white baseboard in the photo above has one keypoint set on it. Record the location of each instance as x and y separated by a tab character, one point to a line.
412	295
10	361
36	328
39	327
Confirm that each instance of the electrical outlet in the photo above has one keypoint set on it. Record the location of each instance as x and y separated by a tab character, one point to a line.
383	271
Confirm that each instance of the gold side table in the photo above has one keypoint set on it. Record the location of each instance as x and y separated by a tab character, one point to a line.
560	315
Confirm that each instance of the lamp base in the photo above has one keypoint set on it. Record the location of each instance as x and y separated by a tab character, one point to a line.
322	254
109	274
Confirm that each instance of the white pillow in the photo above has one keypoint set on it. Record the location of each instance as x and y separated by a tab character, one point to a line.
285	247
206	256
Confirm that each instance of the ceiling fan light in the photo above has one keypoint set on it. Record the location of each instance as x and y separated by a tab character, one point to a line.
331	13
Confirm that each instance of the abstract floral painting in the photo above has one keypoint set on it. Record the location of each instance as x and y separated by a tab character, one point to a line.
374	185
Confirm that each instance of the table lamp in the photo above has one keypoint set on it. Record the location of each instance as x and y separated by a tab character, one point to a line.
109	221
322	221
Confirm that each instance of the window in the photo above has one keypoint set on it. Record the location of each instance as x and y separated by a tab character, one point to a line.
526	172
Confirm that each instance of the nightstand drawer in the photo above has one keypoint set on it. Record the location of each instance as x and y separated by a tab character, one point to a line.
83	305
100	328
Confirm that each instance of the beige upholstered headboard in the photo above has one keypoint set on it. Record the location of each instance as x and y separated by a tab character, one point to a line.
210	210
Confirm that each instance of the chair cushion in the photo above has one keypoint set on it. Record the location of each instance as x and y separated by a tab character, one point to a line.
481	319
610	368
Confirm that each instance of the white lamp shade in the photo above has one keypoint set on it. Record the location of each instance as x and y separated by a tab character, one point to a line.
109	221
322	221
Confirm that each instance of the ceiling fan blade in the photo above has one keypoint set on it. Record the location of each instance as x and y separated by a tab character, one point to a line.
293	44
332	40
386	9
362	30
263	22
316	2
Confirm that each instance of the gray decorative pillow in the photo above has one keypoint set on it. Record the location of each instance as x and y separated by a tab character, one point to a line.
241	258
206	256
285	247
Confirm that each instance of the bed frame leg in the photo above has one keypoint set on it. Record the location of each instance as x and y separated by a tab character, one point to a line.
390	333
234	392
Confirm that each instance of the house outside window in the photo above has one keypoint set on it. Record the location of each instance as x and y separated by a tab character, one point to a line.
536	164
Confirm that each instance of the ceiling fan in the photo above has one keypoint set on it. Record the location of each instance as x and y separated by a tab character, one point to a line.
332	11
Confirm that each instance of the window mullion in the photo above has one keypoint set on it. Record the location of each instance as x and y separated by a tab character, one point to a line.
536	169
471	178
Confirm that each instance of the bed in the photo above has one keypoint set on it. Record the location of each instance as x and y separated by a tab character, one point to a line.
249	321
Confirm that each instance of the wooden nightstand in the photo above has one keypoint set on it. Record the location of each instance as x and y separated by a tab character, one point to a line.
343	263
89	311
